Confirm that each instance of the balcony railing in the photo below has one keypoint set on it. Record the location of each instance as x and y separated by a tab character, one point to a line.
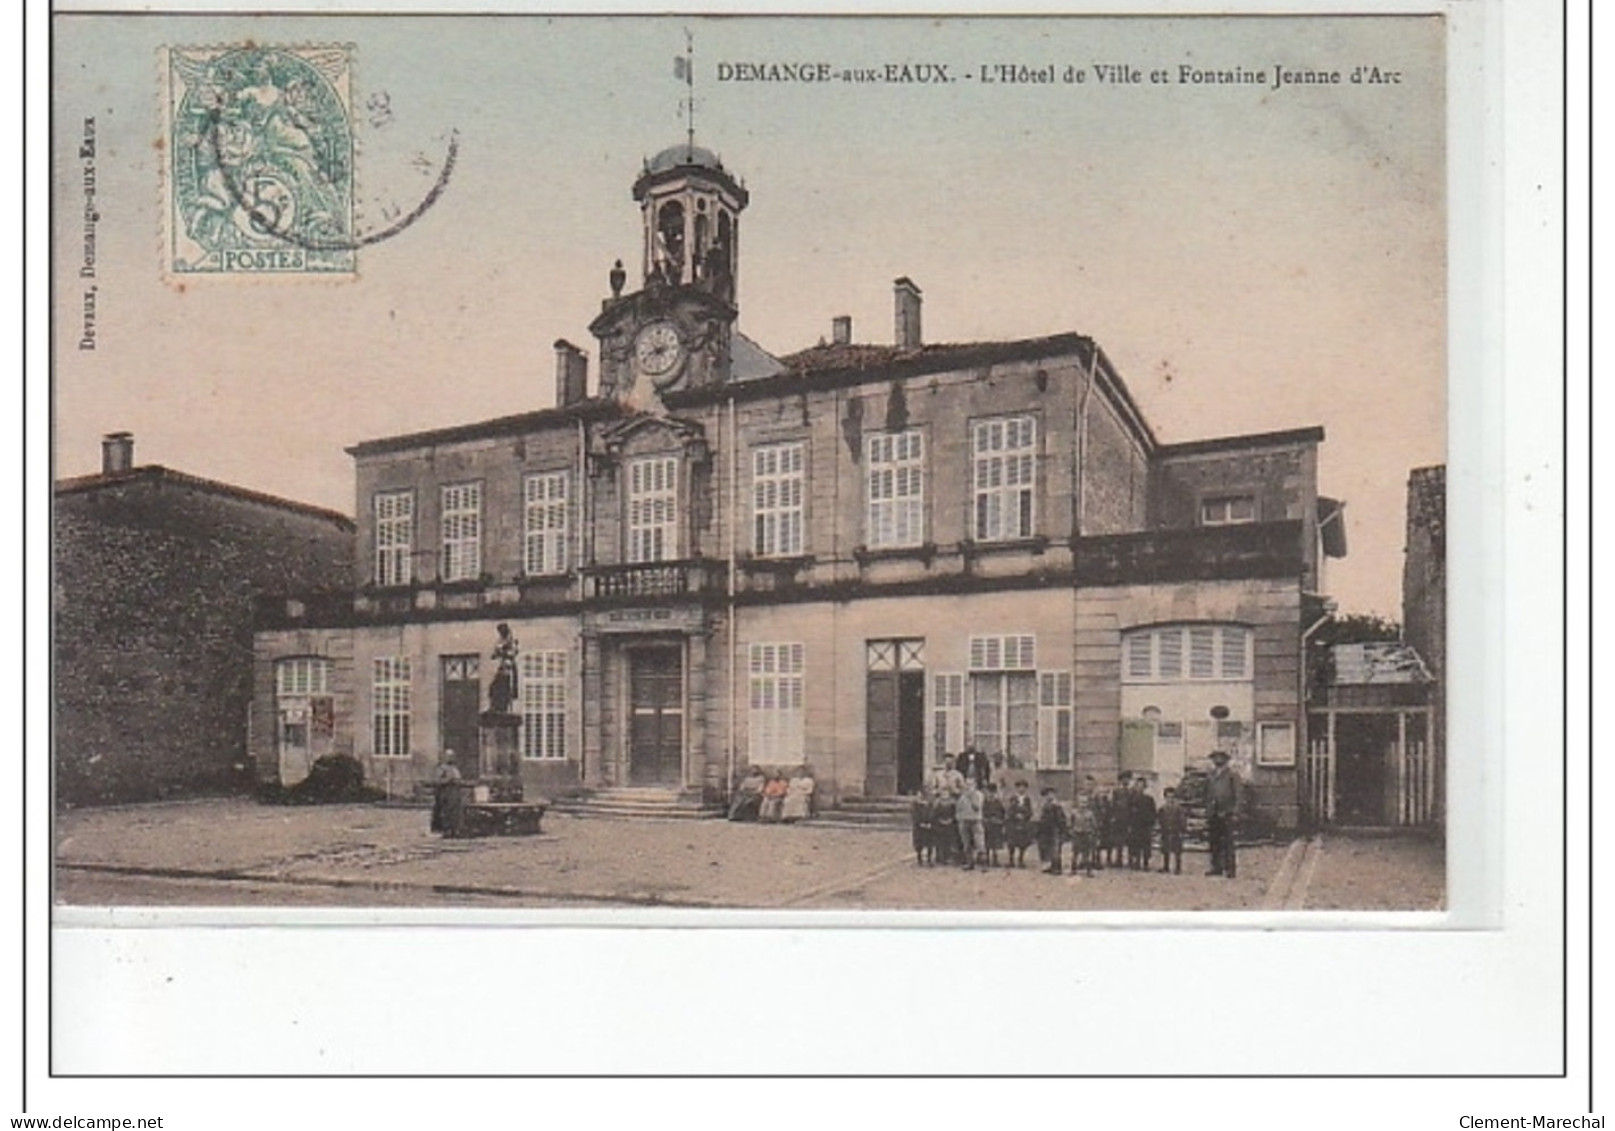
1199	553
652	580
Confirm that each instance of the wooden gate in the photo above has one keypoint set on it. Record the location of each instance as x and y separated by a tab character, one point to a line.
1406	788
1416	784
1318	782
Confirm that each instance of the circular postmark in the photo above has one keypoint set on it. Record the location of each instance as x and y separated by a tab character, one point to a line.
271	209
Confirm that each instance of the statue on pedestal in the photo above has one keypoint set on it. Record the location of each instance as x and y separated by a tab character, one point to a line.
502	692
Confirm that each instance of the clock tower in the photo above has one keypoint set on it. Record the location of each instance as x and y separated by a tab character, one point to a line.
675	332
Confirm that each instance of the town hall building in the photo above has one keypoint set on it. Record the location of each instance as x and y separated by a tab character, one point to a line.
857	557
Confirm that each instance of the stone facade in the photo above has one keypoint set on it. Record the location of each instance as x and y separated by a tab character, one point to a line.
857	557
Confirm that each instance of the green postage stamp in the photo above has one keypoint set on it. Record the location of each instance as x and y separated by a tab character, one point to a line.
260	161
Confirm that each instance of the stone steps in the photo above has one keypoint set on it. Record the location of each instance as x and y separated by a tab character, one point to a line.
625	802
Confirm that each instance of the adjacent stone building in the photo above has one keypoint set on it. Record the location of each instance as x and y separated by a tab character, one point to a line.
1424	595
155	577
857	556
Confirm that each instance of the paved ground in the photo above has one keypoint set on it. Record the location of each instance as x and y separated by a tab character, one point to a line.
237	852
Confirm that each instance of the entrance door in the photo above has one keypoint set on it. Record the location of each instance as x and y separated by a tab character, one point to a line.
306	715
461	703
656	716
1364	745
895	717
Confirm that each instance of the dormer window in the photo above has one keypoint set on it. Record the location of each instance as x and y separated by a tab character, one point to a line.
1227	510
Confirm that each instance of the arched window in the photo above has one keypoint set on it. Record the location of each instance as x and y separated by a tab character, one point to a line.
670	239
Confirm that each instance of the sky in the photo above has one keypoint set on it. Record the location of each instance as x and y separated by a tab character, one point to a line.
1250	258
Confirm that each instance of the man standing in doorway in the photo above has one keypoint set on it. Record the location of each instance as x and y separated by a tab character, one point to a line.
1222	806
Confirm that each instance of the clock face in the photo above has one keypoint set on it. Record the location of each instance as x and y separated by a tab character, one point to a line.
658	349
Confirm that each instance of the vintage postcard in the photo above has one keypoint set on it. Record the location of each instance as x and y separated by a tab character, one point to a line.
959	465
517	478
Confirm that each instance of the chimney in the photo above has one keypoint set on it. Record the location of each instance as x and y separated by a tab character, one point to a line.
841	330
571	374
908	313
117	452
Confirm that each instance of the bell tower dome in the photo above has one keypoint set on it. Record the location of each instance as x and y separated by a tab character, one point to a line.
675	332
691	213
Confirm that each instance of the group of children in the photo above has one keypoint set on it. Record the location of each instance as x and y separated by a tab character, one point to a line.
972	825
961	820
1118	829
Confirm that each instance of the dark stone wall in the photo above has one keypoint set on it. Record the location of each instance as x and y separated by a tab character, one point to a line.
1424	583
1115	475
154	587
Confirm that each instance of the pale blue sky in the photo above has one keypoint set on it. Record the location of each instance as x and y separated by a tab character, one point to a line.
1251	259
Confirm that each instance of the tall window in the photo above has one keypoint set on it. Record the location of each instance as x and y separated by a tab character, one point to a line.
653	509
1227	510
395	536
544	523
543	705
1187	652
1004	466
896	489
390	706
462	532
776	703
1054	719
947	714
776	500
1004	696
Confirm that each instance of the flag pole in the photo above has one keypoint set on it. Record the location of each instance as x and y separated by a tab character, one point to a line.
689	84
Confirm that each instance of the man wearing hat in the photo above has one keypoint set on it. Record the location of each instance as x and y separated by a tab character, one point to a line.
1222	805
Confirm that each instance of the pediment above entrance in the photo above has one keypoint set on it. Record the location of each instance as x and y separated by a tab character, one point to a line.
648	434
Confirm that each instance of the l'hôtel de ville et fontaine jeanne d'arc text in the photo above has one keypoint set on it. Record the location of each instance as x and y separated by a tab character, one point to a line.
1272	77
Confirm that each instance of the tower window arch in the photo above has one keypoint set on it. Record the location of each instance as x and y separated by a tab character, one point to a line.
670	238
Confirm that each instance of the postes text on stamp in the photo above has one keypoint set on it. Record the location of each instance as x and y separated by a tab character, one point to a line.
261	161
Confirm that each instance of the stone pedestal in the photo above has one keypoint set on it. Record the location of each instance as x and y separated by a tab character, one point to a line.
500	762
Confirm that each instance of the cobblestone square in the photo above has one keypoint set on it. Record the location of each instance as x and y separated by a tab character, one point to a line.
232	852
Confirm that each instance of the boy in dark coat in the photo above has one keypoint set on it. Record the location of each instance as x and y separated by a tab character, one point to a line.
1019	814
1084	842
1121	810
1141	824
920	812
945	829
1101	820
993	820
1172	821
1051	831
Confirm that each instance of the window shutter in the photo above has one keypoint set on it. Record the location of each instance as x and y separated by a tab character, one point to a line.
1054	731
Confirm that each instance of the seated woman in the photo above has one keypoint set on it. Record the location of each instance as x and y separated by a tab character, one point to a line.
798	796
748	796
773	798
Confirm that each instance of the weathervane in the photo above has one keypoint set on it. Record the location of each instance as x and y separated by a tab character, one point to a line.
684	68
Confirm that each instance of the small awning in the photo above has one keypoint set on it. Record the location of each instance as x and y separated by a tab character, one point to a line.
1332	526
1379	662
